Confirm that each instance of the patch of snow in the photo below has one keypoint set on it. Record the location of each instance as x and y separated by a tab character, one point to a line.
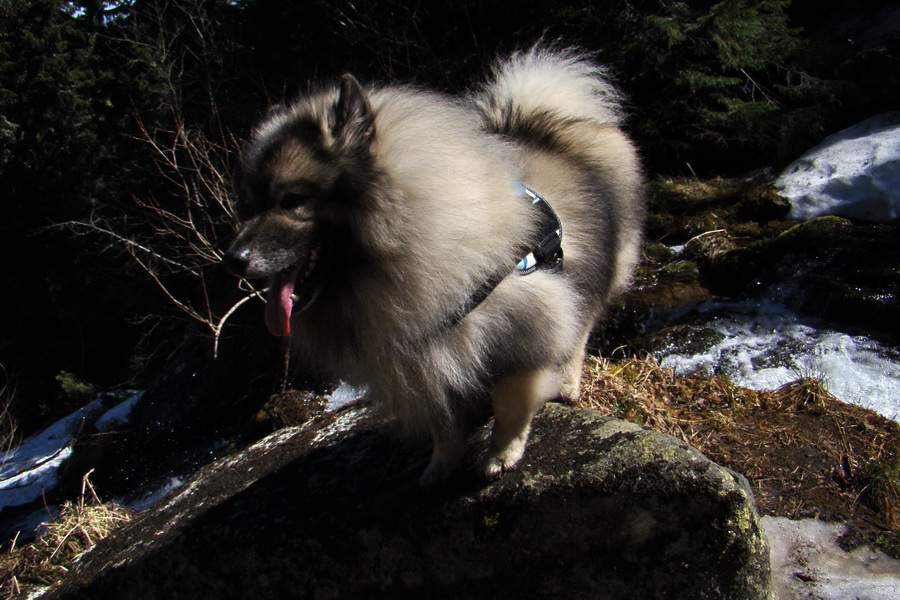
120	413
31	467
764	345
343	394
855	173
808	563
32	480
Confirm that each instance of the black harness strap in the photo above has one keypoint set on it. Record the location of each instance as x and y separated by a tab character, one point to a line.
547	254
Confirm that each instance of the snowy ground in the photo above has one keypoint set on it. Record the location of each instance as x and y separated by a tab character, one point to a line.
31	468
808	563
763	345
855	173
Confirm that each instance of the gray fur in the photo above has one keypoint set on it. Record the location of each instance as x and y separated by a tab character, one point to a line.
408	198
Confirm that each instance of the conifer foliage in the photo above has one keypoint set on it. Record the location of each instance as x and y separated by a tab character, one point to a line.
720	76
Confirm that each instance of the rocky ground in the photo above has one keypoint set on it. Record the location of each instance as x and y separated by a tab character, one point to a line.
806	453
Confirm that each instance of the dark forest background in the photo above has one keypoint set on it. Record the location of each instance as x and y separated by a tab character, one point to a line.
119	122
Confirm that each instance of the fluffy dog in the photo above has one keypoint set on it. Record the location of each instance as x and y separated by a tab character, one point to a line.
450	254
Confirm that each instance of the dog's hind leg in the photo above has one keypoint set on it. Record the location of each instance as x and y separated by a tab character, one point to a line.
573	371
516	400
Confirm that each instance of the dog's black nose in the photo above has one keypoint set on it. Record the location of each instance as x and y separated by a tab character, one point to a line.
237	261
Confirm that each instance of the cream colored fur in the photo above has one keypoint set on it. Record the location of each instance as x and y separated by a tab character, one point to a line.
437	214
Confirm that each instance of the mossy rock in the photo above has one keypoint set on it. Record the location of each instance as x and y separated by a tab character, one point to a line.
598	508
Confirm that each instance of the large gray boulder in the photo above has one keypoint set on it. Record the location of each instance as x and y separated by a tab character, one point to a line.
598	508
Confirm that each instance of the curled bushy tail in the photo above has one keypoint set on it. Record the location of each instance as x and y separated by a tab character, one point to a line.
539	89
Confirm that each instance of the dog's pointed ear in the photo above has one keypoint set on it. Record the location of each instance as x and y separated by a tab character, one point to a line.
353	124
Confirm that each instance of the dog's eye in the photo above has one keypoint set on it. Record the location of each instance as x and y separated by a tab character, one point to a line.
292	201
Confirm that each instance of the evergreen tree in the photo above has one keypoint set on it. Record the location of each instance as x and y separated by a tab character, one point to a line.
708	76
47	71
66	112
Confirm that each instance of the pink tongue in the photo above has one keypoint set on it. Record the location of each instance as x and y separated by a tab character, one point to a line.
279	303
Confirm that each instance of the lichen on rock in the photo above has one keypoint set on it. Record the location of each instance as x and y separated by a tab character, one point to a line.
598	508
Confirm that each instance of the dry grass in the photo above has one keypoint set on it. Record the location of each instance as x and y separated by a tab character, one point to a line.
805	453
46	561
640	391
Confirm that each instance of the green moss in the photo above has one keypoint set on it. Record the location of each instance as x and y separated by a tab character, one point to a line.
680	268
491	520
657	253
751	230
818	230
880	487
74	389
656	224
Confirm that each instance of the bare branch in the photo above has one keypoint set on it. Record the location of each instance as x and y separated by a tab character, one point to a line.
172	235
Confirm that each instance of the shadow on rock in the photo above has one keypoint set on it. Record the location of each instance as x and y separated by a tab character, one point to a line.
599	508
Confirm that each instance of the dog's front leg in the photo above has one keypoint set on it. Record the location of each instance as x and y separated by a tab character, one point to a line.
516	400
446	459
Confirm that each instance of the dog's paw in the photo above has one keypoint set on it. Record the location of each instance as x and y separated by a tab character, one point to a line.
493	469
570	391
500	462
438	474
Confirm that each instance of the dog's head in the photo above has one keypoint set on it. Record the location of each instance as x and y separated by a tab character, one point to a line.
298	181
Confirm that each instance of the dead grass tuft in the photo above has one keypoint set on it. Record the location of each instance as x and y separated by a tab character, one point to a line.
805	392
641	391
79	526
291	407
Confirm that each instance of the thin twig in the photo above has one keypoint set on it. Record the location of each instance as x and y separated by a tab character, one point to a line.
221	323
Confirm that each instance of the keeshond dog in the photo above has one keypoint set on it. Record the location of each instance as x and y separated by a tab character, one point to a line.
450	254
